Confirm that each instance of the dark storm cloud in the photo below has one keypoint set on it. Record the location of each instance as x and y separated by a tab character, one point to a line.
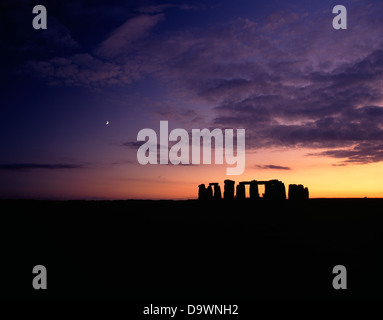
30	166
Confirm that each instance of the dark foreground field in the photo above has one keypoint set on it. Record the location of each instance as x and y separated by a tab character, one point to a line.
192	250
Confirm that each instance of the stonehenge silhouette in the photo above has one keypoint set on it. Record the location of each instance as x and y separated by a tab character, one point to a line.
274	190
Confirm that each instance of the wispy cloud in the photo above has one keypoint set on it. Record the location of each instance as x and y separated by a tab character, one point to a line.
362	153
162	7
132	144
120	40
289	79
271	166
107	65
82	70
32	166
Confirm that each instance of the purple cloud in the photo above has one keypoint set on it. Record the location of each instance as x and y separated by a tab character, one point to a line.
79	70
30	166
271	166
120	41
289	79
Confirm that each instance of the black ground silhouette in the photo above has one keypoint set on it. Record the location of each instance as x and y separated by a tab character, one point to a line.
192	249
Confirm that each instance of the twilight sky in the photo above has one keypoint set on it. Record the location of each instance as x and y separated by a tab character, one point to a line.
310	97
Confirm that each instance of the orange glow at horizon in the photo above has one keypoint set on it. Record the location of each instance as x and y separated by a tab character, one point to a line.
319	174
135	181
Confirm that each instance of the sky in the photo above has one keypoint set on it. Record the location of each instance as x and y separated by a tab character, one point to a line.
310	97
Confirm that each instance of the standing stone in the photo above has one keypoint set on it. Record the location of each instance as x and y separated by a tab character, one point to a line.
201	192
306	193
228	192
217	192
241	192
254	193
298	192
209	193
